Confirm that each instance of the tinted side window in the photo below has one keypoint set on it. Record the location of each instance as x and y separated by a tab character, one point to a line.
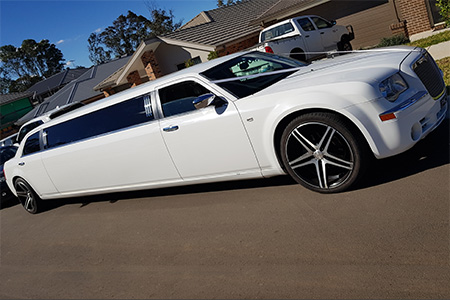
277	31
27	128
115	117
32	144
306	24
178	98
321	23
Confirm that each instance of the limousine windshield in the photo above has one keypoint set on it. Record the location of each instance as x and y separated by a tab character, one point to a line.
241	76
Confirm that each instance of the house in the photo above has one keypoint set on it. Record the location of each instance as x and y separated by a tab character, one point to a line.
234	28
222	30
12	107
79	90
51	85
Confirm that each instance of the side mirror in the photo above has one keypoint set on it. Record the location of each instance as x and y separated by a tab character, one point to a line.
207	100
333	22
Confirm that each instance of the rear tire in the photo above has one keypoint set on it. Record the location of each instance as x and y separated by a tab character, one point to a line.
322	153
298	54
28	197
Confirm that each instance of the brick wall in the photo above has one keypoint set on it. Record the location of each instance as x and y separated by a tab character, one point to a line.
415	13
151	65
399	28
242	45
134	79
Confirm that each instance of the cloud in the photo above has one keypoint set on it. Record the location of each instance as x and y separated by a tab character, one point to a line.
70	63
59	42
98	30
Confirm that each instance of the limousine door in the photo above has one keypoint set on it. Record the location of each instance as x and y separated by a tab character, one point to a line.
208	142
115	148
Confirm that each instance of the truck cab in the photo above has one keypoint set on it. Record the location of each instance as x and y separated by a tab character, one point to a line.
305	37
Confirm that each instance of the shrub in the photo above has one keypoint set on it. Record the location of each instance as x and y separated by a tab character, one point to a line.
444	6
212	55
395	40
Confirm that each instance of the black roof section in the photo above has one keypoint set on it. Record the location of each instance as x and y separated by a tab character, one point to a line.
56	81
77	90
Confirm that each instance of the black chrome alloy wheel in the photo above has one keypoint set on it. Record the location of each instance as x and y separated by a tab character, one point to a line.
321	153
27	196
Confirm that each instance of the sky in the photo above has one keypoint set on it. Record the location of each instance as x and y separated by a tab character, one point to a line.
68	23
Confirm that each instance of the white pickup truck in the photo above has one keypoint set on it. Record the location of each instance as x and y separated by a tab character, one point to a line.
305	37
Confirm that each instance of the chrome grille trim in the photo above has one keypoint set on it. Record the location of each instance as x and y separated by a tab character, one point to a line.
430	75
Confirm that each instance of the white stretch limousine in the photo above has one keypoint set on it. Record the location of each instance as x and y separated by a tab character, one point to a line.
242	116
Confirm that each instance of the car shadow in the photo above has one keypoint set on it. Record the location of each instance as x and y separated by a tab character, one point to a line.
8	202
429	153
173	191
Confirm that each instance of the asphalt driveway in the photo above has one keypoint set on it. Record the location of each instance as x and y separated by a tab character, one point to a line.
269	238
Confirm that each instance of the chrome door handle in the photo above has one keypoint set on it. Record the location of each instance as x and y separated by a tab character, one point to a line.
22	163
171	128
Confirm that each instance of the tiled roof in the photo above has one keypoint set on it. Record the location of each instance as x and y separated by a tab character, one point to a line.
110	80
8	98
226	24
79	89
57	80
283	8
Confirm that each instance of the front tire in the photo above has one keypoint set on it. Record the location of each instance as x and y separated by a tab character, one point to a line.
345	45
28	197
320	152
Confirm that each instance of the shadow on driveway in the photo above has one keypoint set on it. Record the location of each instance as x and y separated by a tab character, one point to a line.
430	153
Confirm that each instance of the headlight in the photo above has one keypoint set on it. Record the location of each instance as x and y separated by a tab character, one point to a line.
392	87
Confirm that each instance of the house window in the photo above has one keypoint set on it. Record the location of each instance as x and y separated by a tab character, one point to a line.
189	63
433	12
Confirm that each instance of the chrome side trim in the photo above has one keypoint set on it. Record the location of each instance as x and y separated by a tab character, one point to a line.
406	104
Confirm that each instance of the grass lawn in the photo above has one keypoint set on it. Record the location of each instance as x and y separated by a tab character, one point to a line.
432	40
444	64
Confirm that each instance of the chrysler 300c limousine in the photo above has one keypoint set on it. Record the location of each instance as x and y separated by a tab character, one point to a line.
246	115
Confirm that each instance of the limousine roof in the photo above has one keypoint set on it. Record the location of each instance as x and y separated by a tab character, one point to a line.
142	89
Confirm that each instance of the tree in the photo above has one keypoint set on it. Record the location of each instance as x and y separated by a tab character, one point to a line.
22	67
97	54
127	32
161	21
222	3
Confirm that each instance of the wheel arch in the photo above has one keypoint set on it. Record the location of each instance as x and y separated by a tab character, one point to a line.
14	180
298	52
282	124
345	38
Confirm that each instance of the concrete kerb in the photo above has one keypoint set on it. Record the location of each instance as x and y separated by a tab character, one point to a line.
440	50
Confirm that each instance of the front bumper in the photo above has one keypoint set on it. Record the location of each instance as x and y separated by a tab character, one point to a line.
412	121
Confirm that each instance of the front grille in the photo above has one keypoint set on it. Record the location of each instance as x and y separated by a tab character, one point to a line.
430	75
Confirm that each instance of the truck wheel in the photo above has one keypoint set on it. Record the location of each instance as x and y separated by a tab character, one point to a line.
298	54
345	46
321	153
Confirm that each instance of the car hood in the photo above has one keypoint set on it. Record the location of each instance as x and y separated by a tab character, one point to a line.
362	66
